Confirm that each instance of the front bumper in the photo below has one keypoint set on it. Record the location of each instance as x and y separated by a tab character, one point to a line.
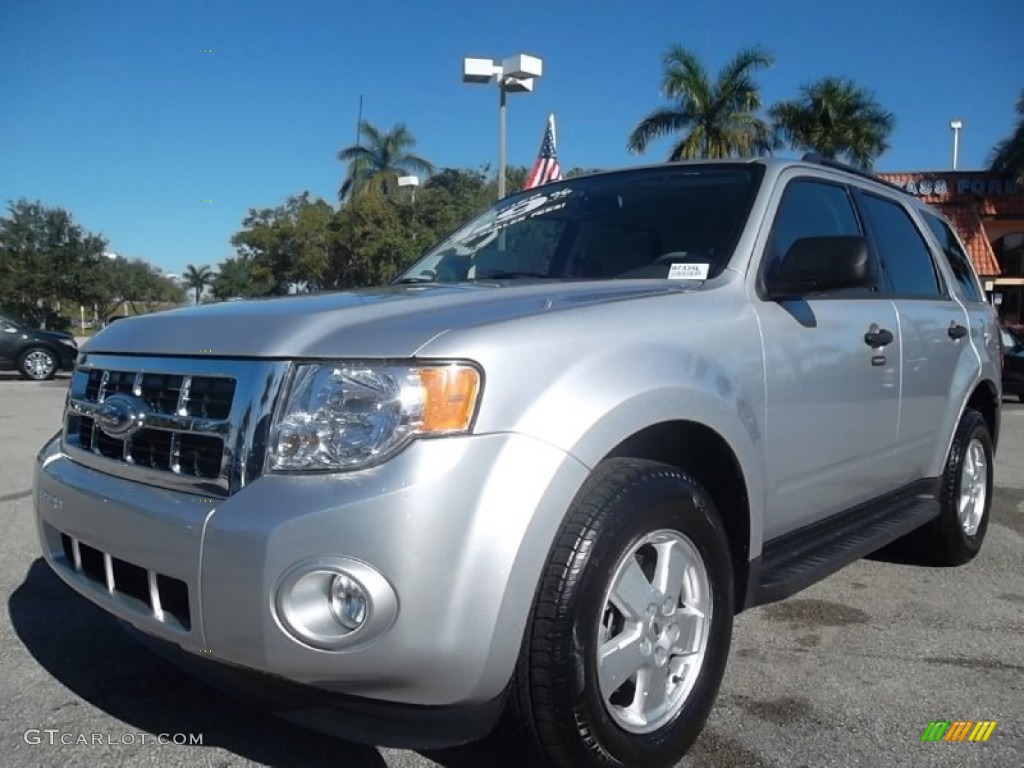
459	527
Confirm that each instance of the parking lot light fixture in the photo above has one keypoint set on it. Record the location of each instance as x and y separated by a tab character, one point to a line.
516	74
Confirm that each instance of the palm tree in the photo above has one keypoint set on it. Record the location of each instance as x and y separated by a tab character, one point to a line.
1008	155
835	118
379	158
717	119
197	278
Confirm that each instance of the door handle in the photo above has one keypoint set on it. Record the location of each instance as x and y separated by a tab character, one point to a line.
956	331
878	337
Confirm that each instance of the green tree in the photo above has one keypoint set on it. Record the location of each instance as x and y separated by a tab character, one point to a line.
1008	154
234	279
198	278
717	118
449	198
576	172
515	178
46	261
370	244
136	283
837	119
379	158
286	245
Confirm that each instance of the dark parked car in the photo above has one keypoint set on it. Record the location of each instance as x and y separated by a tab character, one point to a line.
35	353
1013	362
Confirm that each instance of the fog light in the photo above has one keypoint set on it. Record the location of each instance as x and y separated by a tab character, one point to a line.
348	602
334	603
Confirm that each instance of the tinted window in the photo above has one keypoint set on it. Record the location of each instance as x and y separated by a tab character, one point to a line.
809	209
902	250
959	262
628	224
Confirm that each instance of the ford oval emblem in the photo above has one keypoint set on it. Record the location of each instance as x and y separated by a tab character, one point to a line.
121	416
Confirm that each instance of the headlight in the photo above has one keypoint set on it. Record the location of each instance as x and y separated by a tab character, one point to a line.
349	416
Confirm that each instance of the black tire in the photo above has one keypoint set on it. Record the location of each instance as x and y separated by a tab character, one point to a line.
38	364
944	541
556	711
1021	397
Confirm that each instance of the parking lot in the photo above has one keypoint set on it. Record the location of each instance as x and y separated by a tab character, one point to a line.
847	673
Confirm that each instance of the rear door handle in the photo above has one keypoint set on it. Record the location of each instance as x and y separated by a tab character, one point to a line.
878	337
956	331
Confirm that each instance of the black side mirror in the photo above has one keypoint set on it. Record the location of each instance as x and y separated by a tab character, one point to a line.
815	264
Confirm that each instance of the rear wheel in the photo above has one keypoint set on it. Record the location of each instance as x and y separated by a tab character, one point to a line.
38	363
965	498
631	625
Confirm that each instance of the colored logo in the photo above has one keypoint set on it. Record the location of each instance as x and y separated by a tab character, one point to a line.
958	730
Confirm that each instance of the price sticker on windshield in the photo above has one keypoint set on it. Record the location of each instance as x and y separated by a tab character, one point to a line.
688	272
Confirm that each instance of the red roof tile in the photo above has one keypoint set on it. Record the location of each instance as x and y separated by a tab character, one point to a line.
967	223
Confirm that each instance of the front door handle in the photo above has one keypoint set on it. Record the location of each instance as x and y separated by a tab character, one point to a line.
878	337
956	331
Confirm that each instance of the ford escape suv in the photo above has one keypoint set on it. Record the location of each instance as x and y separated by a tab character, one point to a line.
534	479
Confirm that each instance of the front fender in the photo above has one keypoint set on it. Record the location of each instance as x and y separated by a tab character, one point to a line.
661	385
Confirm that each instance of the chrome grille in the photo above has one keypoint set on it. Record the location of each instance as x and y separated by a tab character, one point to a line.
203	428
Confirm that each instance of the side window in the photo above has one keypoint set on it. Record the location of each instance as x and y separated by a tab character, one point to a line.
958	261
809	209
902	250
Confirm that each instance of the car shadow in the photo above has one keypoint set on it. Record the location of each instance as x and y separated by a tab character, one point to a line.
86	650
59	379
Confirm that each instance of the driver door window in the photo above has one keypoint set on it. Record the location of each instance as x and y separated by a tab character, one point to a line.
809	209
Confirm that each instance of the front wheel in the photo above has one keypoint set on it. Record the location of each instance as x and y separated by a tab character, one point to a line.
38	364
631	625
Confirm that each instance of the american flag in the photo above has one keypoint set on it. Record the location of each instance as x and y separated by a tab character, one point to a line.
546	168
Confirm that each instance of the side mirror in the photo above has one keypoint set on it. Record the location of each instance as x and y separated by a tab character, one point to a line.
815	264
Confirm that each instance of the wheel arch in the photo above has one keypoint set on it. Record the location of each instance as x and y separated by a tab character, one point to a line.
702	452
985	400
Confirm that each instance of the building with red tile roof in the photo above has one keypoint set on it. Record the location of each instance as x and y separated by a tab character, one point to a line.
987	212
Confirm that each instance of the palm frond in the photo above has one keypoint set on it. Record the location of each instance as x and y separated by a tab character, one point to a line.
660	122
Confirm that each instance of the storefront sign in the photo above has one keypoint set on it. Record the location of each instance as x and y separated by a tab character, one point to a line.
941	187
925	187
987	186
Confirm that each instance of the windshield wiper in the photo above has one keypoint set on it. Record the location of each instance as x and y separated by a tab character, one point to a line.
512	275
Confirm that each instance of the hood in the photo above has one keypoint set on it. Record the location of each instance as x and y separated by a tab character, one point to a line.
39	333
382	322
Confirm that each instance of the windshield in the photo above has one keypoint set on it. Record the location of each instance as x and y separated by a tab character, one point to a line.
678	222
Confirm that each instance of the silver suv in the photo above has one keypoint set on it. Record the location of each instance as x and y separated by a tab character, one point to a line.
535	478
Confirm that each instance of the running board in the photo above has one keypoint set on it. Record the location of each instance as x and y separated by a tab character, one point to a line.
798	560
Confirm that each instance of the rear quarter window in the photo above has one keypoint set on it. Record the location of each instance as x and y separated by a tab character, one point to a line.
958	260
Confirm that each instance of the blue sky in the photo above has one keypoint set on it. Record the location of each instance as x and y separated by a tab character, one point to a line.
113	110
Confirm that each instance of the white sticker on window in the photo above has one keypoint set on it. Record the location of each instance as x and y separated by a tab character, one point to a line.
688	272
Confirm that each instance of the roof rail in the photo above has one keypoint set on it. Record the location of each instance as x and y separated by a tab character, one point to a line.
818	159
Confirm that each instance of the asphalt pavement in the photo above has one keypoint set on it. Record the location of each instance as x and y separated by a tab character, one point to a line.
846	673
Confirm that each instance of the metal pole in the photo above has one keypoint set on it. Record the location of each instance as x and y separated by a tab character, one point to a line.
501	137
956	146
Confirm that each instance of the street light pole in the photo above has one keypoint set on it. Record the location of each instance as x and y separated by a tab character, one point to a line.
956	125
502	110
514	75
